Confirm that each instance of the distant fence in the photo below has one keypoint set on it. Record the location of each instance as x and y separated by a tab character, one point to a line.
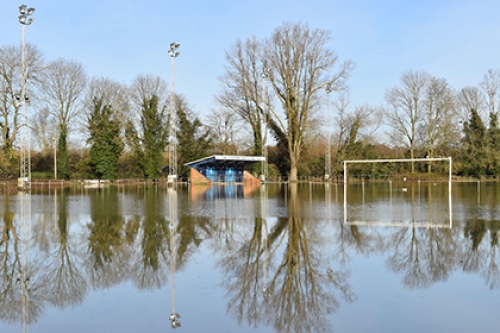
11	185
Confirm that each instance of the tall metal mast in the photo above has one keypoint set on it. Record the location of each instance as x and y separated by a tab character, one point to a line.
172	176
265	115
328	160
23	100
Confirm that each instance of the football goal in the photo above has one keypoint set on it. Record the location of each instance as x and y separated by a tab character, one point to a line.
399	160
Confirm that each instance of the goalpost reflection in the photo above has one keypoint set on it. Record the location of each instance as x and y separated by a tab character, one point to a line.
396	199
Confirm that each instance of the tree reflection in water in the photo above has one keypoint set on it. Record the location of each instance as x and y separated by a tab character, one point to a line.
300	294
10	303
424	256
107	262
276	275
480	254
149	233
20	294
60	272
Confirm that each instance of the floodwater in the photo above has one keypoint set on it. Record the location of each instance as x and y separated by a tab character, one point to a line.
380	257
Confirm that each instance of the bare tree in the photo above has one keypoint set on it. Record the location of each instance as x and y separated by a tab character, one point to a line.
340	106
144	87
111	93
354	126
10	89
406	109
63	93
301	66
43	129
241	86
439	125
470	98
491	86
227	128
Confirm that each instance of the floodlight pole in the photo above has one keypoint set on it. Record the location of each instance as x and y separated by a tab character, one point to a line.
55	155
25	158
265	114
172	176
328	160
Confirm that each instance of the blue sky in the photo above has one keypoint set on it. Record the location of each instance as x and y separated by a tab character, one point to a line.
454	39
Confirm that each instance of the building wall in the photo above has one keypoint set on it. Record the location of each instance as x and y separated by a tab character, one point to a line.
198	178
249	178
221	174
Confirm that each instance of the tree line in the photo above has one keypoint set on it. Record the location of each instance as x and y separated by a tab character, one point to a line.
275	94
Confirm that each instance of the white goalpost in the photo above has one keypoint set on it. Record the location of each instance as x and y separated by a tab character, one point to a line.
399	224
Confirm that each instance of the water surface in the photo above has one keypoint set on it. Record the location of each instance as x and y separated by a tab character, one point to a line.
386	257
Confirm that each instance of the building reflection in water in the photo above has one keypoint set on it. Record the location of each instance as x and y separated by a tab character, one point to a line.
222	191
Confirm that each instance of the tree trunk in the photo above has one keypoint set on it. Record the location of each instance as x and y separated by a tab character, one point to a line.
293	172
412	155
294	158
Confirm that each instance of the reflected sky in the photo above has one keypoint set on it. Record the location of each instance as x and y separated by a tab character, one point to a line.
276	258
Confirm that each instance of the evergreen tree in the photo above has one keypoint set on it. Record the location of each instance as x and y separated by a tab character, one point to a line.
155	137
494	145
193	142
63	155
475	146
148	149
106	144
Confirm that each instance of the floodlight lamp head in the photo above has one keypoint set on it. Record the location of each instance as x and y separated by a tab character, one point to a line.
177	54
31	10
174	46
22	20
22	9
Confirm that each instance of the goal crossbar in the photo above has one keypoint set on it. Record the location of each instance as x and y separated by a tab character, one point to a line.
392	160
